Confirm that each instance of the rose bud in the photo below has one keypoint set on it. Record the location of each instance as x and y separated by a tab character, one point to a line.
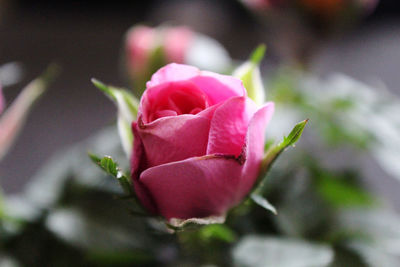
198	143
148	49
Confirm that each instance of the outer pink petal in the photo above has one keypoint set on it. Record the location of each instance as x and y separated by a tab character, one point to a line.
174	138
138	164
195	187
202	186
171	73
229	126
219	87
254	149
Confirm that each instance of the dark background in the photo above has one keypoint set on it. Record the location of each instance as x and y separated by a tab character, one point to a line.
85	38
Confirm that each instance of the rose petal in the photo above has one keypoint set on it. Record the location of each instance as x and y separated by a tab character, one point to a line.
219	87
138	163
254	149
216	86
194	188
180	96
229	126
174	138
171	73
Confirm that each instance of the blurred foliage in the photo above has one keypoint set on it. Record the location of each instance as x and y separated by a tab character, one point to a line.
326	113
343	111
73	214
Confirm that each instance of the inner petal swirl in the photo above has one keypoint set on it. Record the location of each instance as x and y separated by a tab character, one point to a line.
174	99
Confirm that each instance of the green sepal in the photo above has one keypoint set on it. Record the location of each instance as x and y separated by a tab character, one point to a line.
108	165
219	232
295	134
249	74
127	105
121	97
258	54
271	155
274	151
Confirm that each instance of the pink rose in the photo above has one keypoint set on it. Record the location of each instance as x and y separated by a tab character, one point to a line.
198	143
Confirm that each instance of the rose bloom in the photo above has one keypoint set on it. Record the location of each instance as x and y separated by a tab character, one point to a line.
198	143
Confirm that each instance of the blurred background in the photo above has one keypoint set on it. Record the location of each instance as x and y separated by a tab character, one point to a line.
86	38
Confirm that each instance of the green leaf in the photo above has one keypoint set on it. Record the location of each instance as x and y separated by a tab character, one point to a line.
125	101
217	232
108	165
127	105
290	140
104	88
274	151
295	134
269	158
339	193
258	54
263	202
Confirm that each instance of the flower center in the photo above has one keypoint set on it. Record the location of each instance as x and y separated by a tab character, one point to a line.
175	99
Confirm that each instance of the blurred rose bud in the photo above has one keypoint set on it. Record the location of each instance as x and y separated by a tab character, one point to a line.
198	143
148	49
